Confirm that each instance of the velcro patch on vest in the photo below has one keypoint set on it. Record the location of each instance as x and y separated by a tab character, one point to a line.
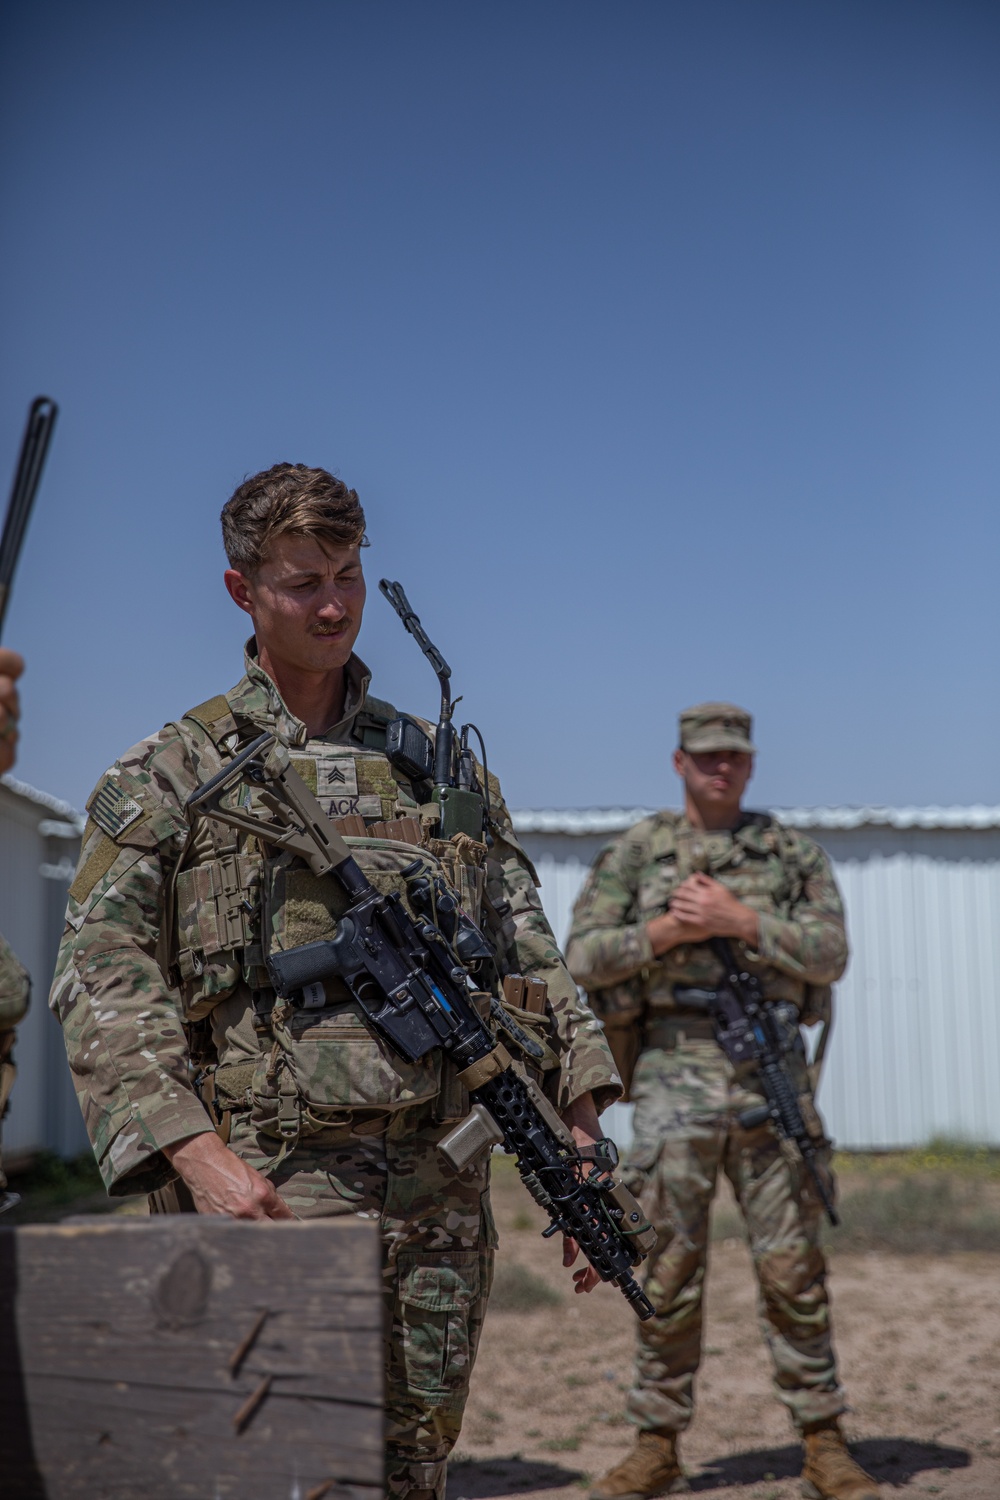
114	810
338	791
307	770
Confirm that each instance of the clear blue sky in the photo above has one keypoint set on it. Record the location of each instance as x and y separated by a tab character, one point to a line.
661	341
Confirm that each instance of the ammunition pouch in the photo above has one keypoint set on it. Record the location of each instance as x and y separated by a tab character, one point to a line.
224	1089
217	905
326	1063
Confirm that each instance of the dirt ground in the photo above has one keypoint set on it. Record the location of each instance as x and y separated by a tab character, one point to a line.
918	1338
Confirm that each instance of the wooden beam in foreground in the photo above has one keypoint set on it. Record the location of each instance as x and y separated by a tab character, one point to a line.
189	1356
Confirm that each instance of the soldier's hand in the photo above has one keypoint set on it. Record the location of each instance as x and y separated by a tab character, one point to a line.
704	903
670	930
11	667
581	1117
221	1183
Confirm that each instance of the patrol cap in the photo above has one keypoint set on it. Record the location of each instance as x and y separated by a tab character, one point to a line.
715	726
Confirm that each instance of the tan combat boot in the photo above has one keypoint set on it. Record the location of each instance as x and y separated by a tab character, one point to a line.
652	1468
829	1472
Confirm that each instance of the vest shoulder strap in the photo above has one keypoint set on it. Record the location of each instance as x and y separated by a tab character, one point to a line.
216	718
374	716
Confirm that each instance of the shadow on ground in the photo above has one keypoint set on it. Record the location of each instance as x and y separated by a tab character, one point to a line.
477	1478
890	1460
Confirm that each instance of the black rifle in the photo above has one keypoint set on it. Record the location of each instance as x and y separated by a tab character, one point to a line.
412	982
749	1030
34	446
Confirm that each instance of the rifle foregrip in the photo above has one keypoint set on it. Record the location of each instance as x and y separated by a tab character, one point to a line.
780	1091
793	1126
574	1205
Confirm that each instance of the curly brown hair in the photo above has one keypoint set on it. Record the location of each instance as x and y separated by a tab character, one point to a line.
289	498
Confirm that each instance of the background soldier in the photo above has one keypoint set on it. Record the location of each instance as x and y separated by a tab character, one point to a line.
640	944
15	986
162	969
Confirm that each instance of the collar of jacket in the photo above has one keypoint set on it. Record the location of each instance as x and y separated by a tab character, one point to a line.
754	831
257	698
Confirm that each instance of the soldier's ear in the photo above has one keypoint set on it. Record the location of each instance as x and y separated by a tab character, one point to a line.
239	589
680	763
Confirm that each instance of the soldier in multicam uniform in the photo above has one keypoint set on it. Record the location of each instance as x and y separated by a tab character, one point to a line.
639	944
15	986
163	957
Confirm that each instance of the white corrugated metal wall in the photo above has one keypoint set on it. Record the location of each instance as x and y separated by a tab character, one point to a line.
916	1046
39	845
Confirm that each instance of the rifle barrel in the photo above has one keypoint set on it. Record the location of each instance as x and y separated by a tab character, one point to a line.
31	461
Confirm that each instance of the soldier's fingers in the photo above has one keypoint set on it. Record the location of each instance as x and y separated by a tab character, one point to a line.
570	1250
279	1209
246	1208
266	1201
11	664
685	906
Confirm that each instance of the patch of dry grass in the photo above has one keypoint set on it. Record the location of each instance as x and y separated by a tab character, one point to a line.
516	1289
940	1198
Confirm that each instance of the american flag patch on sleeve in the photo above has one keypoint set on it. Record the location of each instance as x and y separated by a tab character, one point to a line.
114	810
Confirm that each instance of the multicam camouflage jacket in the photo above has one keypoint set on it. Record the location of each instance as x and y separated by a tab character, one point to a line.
167	924
784	876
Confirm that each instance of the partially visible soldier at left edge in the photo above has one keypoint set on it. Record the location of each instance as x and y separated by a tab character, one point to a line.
15	986
162	962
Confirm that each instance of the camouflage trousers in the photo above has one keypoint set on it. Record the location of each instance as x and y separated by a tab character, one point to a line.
438	1247
687	1103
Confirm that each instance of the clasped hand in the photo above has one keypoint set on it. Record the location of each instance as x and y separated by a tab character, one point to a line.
702	908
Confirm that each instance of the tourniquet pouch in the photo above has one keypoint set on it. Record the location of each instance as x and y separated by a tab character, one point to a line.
437	1296
462	861
325	1061
216	902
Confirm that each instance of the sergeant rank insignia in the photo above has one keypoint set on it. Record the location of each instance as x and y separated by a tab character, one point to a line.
113	810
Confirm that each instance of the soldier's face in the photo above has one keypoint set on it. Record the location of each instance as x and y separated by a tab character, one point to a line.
715	778
306	601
